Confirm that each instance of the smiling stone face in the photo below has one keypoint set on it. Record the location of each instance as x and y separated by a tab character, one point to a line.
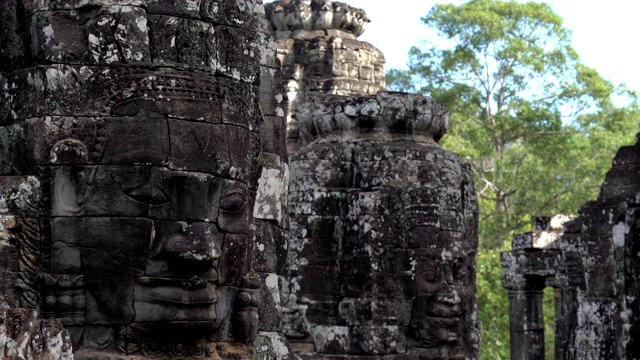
143	124
441	308
153	242
418	203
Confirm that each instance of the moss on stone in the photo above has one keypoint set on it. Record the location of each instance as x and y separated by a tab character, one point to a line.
9	138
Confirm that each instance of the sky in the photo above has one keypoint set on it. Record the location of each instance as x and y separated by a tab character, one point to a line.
605	33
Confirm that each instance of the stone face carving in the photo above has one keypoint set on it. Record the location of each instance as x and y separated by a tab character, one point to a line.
383	220
320	54
384	233
593	268
154	134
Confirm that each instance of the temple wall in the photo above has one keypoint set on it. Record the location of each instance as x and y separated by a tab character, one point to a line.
593	266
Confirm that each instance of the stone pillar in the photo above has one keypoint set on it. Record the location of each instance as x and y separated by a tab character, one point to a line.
527	328
154	132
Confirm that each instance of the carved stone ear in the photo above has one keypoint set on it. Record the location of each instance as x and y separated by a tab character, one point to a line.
69	189
69	151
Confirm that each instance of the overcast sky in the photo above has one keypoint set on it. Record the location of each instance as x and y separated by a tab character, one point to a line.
606	34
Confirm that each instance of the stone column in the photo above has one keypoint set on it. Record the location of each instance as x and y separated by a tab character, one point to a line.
538	259
526	321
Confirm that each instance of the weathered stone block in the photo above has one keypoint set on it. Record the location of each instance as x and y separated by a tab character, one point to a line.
273	136
20	196
332	339
271	197
105	245
48	90
319	280
72	140
91	35
270	312
271	248
330	174
271	92
375	311
239	13
234	262
182	8
271	345
117	292
61	90
5	103
183	43
237	60
14	37
24	335
218	147
266	44
375	340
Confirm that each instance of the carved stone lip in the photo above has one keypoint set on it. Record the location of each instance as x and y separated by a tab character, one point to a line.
443	311
444	320
194	282
173	292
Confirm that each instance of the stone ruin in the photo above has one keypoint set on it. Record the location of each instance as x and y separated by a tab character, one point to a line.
145	178
143	202
593	264
383	220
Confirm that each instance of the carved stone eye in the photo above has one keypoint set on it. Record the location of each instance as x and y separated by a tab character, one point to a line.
429	272
149	195
158	197
232	203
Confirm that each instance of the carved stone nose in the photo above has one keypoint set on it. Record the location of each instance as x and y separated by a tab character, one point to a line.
197	241
451	298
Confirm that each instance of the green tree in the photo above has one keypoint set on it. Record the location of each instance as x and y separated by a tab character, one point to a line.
538	127
493	306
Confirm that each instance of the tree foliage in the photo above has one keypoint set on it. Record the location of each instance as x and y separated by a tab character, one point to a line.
538	127
493	306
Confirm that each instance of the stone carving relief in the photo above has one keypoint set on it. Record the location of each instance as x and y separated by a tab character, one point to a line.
320	54
24	336
383	220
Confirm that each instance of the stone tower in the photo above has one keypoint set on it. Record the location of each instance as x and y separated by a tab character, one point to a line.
320	54
143	136
383	220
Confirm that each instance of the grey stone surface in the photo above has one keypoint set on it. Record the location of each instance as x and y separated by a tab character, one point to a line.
149	216
23	335
383	221
320	54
